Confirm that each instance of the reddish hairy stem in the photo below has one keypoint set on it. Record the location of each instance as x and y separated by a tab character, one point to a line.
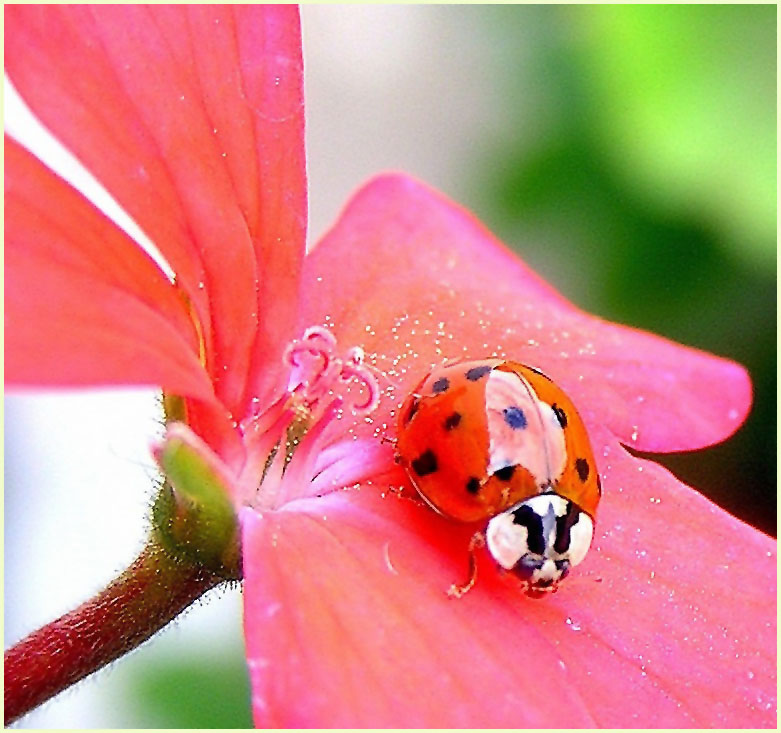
149	594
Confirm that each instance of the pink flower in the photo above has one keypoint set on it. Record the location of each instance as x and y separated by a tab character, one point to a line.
193	118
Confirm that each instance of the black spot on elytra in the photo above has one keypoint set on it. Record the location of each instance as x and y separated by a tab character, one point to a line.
527	517
425	464
441	385
476	373
452	421
515	418
561	416
473	485
582	467
563	526
506	473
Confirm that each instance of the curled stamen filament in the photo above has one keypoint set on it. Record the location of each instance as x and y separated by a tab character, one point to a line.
290	436
316	371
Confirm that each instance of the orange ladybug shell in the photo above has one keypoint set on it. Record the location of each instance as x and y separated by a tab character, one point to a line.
478	437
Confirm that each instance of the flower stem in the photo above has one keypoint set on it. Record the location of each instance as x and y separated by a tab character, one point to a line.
141	601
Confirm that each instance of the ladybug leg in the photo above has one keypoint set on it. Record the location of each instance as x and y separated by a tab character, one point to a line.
386	439
456	591
393	442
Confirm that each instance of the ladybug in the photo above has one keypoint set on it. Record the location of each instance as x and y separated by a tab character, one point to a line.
497	440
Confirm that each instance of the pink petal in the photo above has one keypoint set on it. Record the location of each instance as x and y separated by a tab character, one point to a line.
272	35
83	304
670	622
416	281
176	111
686	591
347	625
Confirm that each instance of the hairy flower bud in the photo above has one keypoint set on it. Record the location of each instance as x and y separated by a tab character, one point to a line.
193	516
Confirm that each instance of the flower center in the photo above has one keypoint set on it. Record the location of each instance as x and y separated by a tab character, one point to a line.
291	435
319	376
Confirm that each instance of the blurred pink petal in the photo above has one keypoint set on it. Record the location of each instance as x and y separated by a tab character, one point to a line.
416	280
192	117
83	304
347	591
671	623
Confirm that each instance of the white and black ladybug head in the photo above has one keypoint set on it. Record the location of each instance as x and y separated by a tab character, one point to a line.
540	539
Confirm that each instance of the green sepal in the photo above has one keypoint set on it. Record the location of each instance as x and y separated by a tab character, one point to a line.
193	517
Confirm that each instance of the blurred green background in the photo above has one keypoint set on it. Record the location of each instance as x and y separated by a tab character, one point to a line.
628	153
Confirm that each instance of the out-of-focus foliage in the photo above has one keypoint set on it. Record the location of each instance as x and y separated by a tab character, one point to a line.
686	109
201	690
641	181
